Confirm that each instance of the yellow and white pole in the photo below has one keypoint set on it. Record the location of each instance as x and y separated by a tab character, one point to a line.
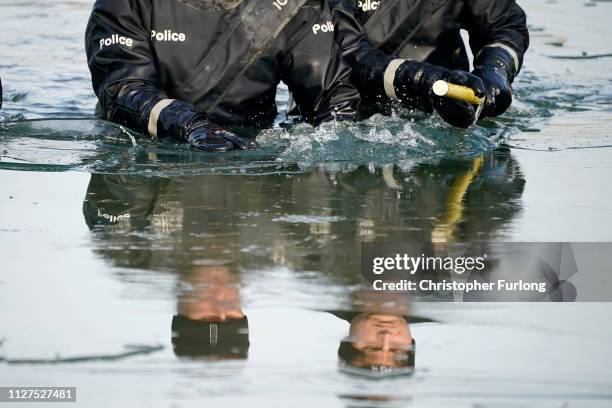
457	92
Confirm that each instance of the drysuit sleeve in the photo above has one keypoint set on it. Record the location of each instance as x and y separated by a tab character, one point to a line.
497	23
123	69
367	62
112	199
315	72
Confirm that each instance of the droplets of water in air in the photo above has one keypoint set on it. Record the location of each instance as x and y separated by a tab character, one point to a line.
98	146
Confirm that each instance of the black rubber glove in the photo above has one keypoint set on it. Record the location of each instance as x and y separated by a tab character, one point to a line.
203	135
496	68
180	121
413	86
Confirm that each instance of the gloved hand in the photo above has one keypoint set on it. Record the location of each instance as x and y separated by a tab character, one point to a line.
181	121
413	86
203	135
495	66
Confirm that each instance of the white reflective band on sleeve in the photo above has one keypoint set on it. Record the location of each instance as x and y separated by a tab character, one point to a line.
389	77
159	106
510	50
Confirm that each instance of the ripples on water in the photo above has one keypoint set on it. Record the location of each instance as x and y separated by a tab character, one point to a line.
562	94
60	87
95	146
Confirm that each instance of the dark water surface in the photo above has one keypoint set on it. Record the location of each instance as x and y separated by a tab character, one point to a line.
104	236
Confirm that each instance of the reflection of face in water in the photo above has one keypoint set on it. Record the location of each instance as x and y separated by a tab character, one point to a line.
210	321
213	295
379	340
312	220
378	344
380	333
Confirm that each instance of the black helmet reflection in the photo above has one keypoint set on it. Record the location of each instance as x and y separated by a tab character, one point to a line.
215	340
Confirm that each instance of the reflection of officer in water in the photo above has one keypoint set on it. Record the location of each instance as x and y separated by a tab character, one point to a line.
379	342
179	225
210	321
312	221
446	202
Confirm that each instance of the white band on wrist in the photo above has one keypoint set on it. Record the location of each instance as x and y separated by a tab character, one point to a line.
157	109
389	78
510	51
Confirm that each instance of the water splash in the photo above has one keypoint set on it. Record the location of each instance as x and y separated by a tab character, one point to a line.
556	107
98	146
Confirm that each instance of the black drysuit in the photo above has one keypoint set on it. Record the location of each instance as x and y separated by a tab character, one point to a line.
425	31
143	52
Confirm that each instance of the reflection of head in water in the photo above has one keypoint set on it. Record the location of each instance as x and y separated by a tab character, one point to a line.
379	341
378	344
210	339
125	212
210	321
380	332
210	293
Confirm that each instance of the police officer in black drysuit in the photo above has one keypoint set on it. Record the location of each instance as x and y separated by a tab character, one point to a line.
417	42
183	68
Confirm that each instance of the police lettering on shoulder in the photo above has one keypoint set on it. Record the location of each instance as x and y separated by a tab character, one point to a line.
327	27
398	50
368	5
206	92
168	36
116	39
